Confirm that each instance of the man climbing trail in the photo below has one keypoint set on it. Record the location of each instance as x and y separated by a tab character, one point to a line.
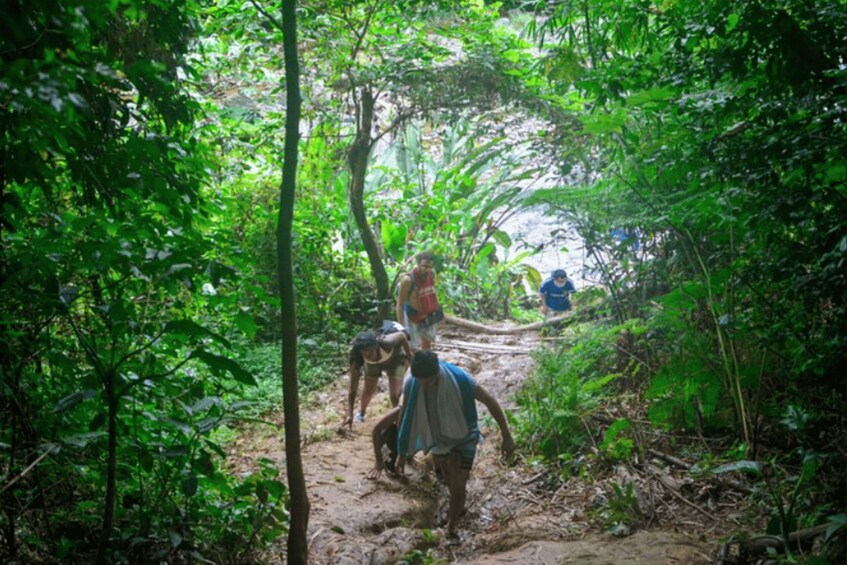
439	416
555	294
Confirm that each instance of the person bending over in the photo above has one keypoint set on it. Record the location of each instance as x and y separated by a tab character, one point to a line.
373	353
384	440
439	416
555	294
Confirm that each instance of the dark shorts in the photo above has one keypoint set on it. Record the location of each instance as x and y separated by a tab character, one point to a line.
466	453
395	369
467	463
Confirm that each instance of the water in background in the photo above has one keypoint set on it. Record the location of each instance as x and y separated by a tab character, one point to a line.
559	245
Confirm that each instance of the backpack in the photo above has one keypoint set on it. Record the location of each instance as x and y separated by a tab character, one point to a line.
390	327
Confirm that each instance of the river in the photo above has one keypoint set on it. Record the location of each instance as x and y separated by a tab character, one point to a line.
559	245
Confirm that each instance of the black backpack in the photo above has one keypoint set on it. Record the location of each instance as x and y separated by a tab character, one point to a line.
390	327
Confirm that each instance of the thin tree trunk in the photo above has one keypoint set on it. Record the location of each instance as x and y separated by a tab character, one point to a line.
15	416
298	550
111	468
357	158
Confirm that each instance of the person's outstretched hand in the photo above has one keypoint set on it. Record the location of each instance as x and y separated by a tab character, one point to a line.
345	426
375	473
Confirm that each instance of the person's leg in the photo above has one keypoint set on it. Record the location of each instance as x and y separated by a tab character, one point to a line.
396	374
427	335
414	335
456	477
368	392
352	390
372	373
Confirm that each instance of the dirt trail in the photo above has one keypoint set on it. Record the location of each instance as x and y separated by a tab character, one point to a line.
512	517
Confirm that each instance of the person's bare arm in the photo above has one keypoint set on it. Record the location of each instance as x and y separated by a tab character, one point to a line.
508	444
354	374
401	459
543	303
399	339
383	424
403	297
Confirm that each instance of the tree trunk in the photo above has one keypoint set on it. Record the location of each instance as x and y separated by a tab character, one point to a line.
357	158
111	468
298	550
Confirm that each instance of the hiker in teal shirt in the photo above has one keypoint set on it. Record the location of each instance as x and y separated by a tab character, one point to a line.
439	416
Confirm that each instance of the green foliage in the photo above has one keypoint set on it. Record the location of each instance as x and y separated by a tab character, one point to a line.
615	444
568	384
784	492
719	154
455	205
621	512
320	364
721	150
113	364
793	487
448	210
421	557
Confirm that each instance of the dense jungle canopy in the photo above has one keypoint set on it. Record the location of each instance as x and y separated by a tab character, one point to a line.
696	146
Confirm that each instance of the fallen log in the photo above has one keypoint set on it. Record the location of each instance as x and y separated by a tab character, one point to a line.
669	458
484	347
482	328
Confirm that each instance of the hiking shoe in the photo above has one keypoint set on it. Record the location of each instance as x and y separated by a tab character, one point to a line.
360	418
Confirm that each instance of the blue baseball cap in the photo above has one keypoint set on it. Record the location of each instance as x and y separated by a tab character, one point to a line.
559	273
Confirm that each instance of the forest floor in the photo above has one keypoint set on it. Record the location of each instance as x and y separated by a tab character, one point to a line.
516	513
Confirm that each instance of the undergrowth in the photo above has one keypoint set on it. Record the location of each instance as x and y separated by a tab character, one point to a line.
583	411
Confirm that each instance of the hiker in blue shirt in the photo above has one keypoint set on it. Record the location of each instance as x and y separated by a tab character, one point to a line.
438	416
555	293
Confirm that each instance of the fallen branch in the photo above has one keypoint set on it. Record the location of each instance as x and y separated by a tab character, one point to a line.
482	328
30	467
737	485
669	482
484	347
691	504
669	459
534	478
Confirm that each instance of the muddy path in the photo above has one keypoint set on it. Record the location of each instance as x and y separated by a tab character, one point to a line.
512	516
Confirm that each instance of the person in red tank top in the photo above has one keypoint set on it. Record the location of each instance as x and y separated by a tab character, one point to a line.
417	300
